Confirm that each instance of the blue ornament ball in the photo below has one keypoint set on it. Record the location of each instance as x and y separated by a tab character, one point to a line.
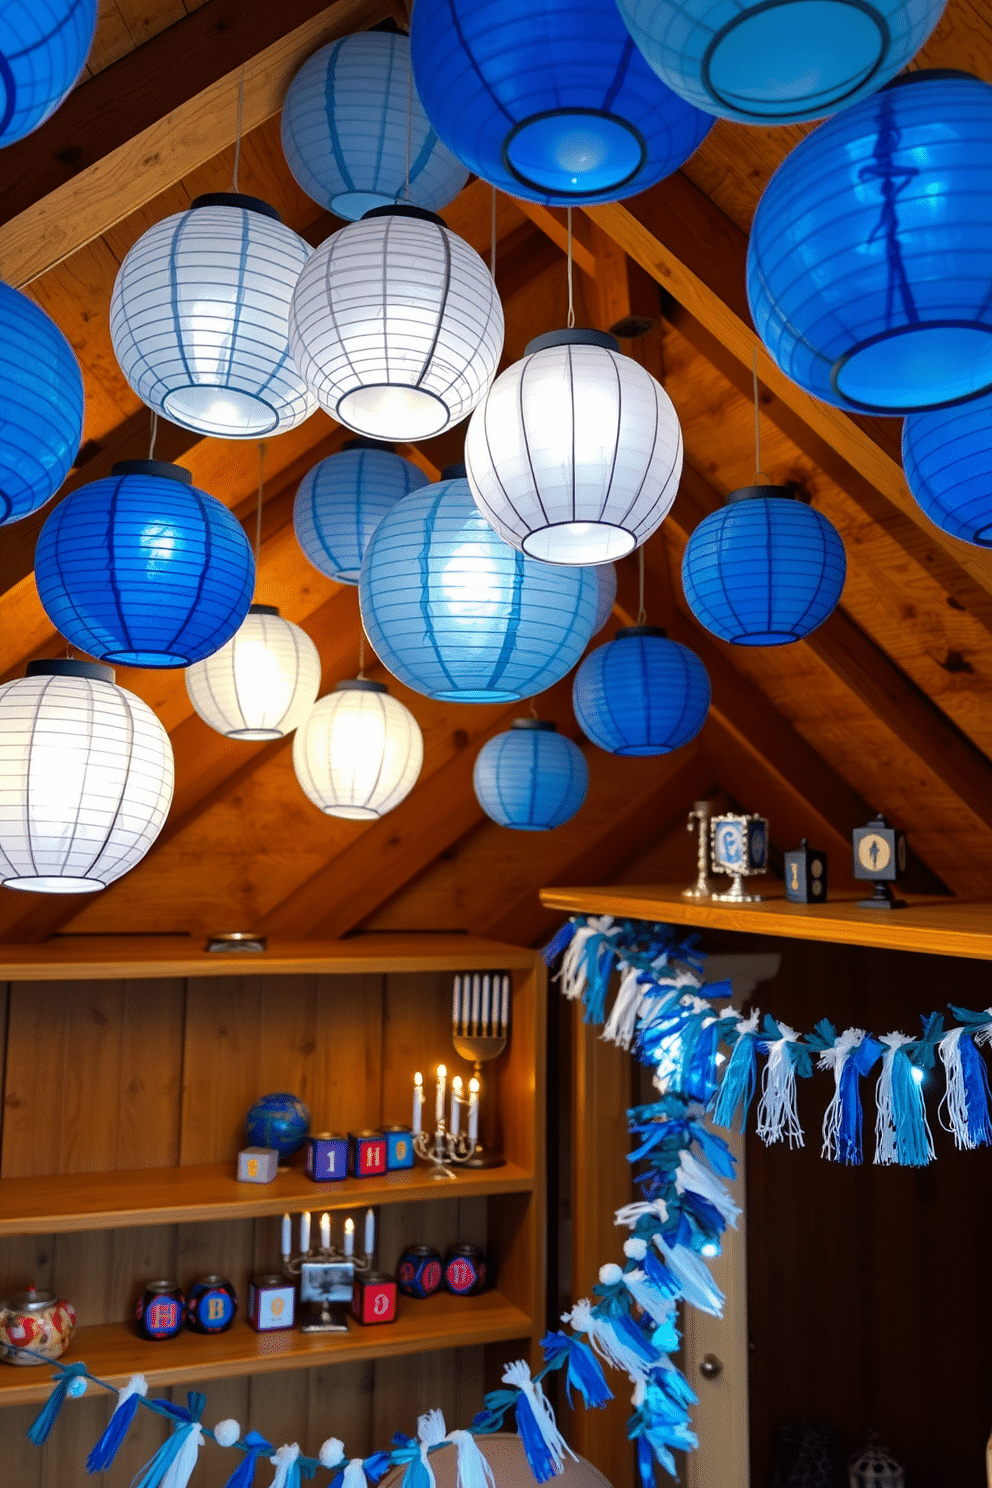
641	693
947	457
280	1121
41	406
43	48
531	779
342	500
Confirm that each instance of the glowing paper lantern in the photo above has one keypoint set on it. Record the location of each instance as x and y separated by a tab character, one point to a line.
199	318
262	683
86	778
342	500
641	693
396	325
947	457
43	49
41	406
349	120
359	751
531	779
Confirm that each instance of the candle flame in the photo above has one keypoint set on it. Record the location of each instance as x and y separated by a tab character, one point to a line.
474	1086
418	1078
441	1071
349	1226
456	1084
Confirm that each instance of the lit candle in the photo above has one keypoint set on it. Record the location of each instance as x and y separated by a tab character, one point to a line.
475	1004
369	1231
418	1102
442	1075
505	1019
456	1003
485	1003
325	1232
473	1110
349	1236
456	1103
305	1233
287	1237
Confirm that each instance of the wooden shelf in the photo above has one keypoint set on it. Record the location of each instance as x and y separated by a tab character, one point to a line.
950	927
155	1196
114	1352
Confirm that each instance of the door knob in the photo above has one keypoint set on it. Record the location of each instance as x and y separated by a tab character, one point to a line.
710	1366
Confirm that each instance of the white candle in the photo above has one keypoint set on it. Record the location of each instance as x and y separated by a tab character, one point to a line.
456	1002
349	1236
475	1004
456	1104
325	1232
287	1237
473	1110
442	1075
485	1003
505	1019
418	1102
369	1231
305	1233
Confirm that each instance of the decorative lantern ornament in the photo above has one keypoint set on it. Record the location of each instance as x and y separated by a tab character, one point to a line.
641	693
143	569
396	325
875	1467
342	500
262	683
455	613
548	100
947	457
355	134
359	751
868	274
779	63
86	778
43	49
606	594
41	406
199	318
764	570
531	779
574	455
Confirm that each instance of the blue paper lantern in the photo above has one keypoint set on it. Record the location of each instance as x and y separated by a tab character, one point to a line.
43	48
764	570
868	271
947	457
143	569
778	63
350	122
549	100
531	779
341	502
456	613
41	406
641	693
279	1121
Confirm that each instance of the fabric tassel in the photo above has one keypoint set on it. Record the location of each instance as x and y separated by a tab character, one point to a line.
544	1445
778	1118
692	1177
107	1447
474	1470
739	1077
71	1381
558	943
354	1474
842	1120
695	1282
621	1025
583	1371
631	1214
285	1462
244	1474
431	1432
902	1133
173	1463
622	1347
658	1307
966	1099
586	966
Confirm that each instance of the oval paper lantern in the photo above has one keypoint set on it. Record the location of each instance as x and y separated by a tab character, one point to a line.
359	751
574	455
455	613
764	570
868	271
641	693
262	683
396	325
143	569
199	318
41	406
43	49
780	63
549	100
947	457
86	778
532	779
349	120
341	502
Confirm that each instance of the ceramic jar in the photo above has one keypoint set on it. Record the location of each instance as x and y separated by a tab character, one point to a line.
35	1320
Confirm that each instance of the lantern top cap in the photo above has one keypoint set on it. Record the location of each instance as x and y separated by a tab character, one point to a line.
628	632
162	469
929	75
63	667
235	199
360	684
361	443
402	209
454	472
260	609
766	493
538	725
577	336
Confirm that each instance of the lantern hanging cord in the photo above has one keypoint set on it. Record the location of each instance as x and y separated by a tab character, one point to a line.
153	434
758	472
571	300
492	239
642	613
361	650
237	137
258	508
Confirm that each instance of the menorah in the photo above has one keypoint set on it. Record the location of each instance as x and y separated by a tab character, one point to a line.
480	1028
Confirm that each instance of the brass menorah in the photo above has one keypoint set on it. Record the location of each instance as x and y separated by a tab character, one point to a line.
480	1028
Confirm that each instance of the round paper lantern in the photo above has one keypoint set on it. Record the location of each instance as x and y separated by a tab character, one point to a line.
868	271
575	453
455	613
764	570
762	63
606	594
549	100
947	457
351	121
359	751
341	502
262	683
41	406
143	569
531	779
396	325
43	48
86	778
641	693
199	318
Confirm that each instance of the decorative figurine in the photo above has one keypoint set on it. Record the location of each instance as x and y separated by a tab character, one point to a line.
465	1270
806	875
399	1147
373	1298
739	846
875	1467
699	818
36	1320
480	1029
211	1305
327	1157
879	855
257	1164
280	1121
366	1154
160	1311
271	1304
419	1272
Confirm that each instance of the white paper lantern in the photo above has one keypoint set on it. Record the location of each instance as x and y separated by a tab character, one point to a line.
262	684
396	325
575	453
359	752
199	318
86	775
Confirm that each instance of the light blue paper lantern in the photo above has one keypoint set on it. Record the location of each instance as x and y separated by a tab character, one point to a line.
761	63
350	116
549	100
531	779
947	457
41	406
641	693
341	502
868	270
43	48
764	570
456	613
144	570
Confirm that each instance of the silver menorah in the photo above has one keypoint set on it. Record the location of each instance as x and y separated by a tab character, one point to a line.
480	1028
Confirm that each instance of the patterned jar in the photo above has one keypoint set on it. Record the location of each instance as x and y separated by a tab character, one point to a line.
419	1272
161	1310
211	1305
465	1270
36	1320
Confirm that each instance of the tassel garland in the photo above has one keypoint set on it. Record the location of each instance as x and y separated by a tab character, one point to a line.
107	1447
544	1445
